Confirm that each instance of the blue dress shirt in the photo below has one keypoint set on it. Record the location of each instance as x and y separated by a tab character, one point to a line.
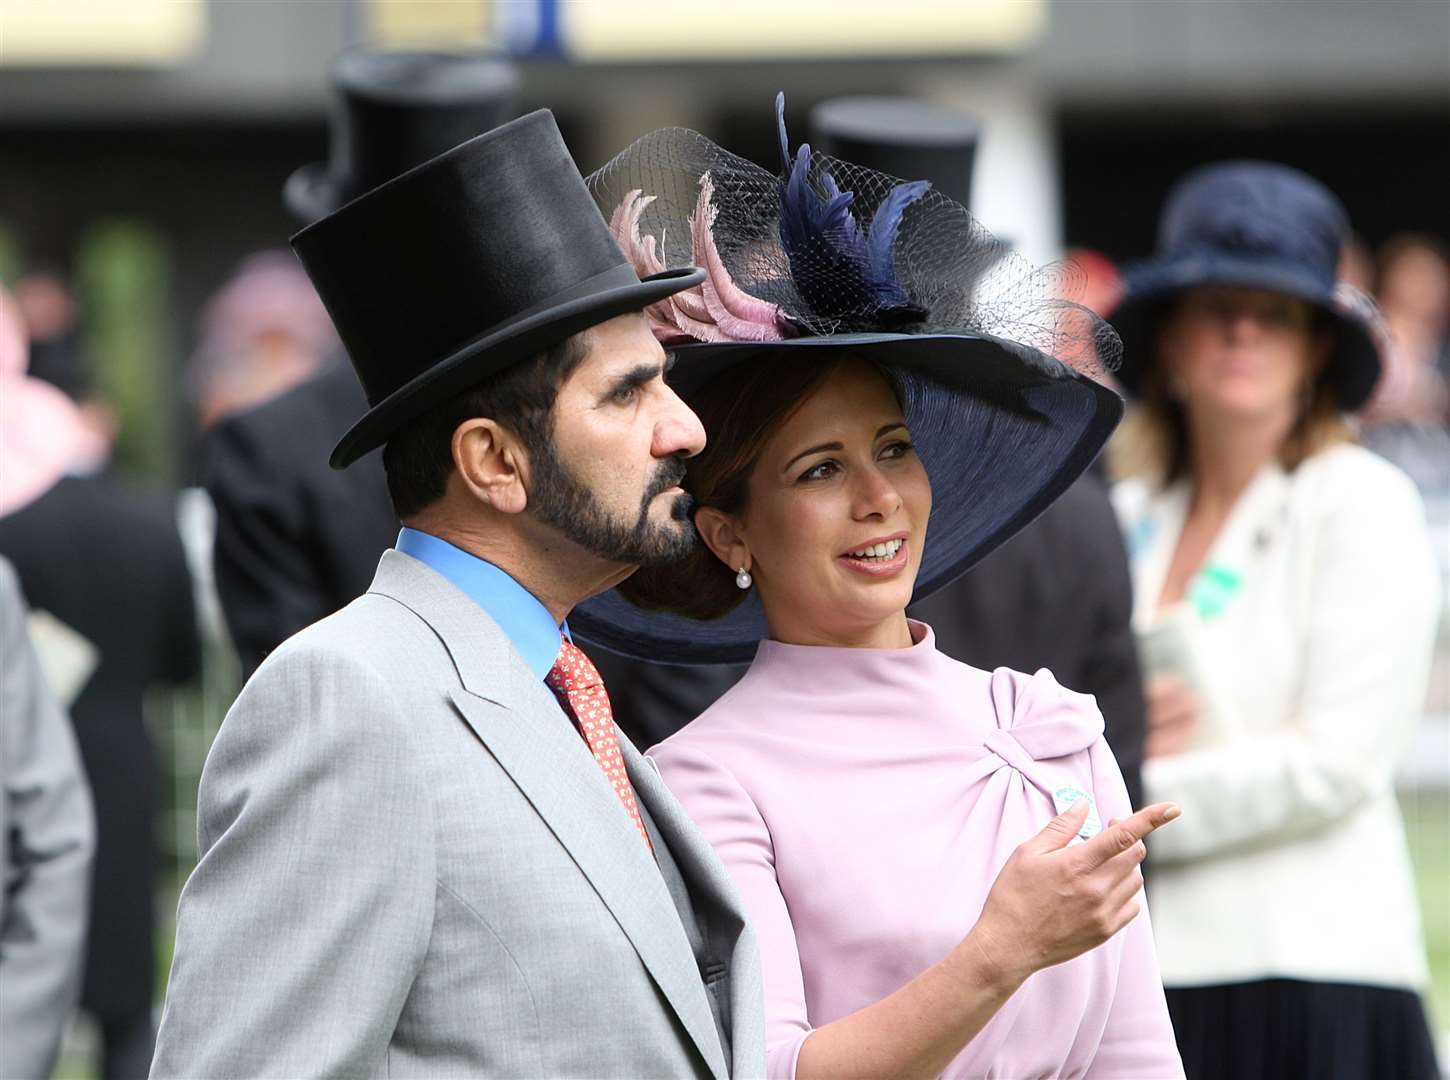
519	614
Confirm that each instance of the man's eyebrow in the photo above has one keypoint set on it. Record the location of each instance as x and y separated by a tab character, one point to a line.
638	375
838	446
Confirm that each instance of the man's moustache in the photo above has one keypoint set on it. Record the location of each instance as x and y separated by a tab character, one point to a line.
669	475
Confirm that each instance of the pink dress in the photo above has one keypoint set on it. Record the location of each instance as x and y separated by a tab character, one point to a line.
864	801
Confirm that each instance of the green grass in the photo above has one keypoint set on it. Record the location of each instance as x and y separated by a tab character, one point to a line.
1427	827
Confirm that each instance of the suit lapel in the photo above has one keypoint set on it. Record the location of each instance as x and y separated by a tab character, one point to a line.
720	910
553	768
518	719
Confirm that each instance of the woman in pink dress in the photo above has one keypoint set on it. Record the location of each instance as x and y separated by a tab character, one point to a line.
904	829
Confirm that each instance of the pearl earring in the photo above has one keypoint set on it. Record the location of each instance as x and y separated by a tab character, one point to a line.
743	579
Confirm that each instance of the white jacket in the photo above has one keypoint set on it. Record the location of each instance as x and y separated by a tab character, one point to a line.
1290	858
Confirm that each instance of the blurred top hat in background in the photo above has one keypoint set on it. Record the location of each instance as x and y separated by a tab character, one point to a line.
903	137
393	110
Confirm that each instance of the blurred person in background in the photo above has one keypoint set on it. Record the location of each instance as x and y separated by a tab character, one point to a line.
1287	597
1408	418
106	563
263	332
49	831
50	316
47	828
295	539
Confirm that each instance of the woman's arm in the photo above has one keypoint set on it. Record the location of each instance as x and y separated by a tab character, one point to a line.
1050	903
1372	609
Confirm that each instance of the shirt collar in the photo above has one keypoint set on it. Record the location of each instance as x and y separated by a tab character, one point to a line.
519	614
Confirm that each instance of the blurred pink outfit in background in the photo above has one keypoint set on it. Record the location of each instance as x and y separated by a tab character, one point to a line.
864	801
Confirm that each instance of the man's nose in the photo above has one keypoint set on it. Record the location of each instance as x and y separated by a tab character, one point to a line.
678	431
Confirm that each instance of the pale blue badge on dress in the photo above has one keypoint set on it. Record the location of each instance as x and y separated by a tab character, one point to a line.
1064	798
1141	535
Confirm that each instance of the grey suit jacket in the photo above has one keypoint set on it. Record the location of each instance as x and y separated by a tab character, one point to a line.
47	836
412	866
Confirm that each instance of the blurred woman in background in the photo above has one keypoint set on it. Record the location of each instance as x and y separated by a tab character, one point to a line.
1286	592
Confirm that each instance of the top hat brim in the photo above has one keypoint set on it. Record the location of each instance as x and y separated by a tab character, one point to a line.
311	193
1001	429
616	292
1354	363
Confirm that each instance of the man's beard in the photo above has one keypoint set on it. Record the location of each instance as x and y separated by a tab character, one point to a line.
559	499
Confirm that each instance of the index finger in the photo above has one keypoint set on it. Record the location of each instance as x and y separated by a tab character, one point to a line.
1122	835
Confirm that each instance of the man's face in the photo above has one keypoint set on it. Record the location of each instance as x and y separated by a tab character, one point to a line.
609	478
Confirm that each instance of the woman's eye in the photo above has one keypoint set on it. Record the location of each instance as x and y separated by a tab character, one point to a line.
897	449
819	472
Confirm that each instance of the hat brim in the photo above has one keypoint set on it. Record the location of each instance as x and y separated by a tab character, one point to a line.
1353	367
500	348
1001	429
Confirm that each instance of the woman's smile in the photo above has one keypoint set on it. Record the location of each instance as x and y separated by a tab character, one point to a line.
884	556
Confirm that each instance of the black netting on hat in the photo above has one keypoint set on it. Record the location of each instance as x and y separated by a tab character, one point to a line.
951	274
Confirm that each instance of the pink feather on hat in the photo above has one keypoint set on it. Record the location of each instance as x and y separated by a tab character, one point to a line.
716	309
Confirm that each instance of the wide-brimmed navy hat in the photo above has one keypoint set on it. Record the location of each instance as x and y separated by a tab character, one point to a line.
1258	225
465	265
830	259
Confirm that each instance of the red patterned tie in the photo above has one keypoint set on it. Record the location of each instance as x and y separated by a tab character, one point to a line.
580	690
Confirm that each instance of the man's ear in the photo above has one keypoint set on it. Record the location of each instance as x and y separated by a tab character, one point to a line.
492	464
723	536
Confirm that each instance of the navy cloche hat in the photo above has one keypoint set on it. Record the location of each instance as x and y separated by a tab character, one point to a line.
1259	225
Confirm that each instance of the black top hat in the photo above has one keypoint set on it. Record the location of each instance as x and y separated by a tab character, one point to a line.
394	110
901	137
1260	225
830	257
461	267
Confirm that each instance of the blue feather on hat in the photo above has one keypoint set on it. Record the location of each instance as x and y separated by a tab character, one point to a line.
830	255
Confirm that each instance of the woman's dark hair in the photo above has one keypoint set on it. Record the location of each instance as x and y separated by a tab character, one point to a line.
419	459
741	410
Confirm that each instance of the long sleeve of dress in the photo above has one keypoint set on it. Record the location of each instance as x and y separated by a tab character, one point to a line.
729	819
1138	1039
1370	633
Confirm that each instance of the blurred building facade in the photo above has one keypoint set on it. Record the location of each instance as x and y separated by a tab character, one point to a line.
186	115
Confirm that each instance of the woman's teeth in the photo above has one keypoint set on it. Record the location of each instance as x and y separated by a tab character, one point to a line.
877	551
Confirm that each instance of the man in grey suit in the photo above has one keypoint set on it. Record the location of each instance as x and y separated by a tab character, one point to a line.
424	850
48	836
